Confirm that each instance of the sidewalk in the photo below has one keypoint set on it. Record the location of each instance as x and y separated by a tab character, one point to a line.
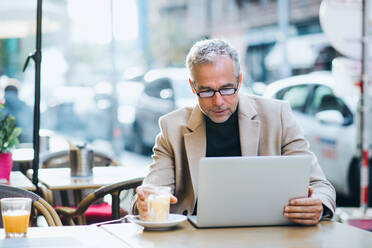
354	217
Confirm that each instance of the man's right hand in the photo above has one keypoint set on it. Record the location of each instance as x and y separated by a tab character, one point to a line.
142	204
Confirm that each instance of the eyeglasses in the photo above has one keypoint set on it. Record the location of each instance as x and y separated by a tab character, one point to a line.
210	93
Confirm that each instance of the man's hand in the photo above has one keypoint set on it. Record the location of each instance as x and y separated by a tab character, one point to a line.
305	211
142	204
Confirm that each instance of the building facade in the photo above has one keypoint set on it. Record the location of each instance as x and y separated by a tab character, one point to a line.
275	38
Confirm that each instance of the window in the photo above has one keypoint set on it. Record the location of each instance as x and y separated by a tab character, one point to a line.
156	87
320	97
296	95
324	99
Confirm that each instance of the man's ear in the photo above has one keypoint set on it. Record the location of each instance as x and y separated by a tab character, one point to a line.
192	88
240	80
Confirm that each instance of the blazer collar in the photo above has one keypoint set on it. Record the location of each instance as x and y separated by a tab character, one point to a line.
249	127
196	118
195	145
246	109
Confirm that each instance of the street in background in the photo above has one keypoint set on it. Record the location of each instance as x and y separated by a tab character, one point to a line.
329	124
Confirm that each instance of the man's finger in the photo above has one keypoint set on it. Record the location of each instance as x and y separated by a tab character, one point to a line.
142	205
302	209
305	201
305	221
301	215
173	199
141	195
310	192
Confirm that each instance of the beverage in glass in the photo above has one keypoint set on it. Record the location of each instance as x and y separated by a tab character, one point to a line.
158	202
16	215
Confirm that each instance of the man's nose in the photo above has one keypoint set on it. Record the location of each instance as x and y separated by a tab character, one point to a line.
218	99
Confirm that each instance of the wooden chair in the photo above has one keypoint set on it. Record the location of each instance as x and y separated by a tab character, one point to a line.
39	205
113	189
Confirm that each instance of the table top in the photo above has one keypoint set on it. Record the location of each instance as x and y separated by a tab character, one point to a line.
60	178
21	155
65	236
17	179
326	234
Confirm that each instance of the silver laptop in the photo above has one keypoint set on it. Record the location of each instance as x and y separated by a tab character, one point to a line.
249	191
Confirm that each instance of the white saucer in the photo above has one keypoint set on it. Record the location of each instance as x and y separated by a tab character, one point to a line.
173	220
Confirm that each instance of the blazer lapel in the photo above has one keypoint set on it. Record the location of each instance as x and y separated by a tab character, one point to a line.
249	129
195	145
195	137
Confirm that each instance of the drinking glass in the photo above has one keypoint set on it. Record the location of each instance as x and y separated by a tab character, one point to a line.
158	202
16	216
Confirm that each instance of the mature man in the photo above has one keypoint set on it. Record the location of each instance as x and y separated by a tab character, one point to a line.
226	124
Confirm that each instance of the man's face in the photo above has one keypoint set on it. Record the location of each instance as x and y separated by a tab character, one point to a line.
216	76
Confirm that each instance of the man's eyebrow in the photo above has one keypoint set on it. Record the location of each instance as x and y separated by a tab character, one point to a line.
204	88
228	85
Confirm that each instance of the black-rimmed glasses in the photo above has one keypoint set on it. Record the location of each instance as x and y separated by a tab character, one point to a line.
210	93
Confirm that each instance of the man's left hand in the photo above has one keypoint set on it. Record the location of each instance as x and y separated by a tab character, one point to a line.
305	211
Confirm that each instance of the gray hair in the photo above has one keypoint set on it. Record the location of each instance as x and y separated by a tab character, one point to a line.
206	51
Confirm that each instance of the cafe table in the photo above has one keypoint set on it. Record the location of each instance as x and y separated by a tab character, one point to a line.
326	234
17	179
63	236
23	157
60	178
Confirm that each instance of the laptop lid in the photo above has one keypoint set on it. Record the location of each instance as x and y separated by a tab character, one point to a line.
249	191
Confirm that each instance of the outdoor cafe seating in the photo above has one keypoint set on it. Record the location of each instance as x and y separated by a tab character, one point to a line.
40	206
81	211
60	159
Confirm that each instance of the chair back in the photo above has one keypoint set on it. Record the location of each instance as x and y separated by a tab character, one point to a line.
112	189
38	204
60	159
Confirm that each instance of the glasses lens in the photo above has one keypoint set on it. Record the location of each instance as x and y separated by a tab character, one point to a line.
206	94
227	91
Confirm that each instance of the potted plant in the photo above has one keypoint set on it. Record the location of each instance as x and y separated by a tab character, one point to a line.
8	139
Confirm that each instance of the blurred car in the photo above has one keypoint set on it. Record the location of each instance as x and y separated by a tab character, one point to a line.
329	125
165	90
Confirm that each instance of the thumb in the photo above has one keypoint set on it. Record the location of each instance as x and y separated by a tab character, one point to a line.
173	199
310	191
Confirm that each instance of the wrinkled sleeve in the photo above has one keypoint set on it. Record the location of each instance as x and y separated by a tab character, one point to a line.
161	171
294	143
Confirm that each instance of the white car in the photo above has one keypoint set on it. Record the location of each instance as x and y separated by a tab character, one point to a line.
329	124
165	90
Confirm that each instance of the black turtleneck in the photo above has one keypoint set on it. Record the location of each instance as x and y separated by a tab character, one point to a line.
223	138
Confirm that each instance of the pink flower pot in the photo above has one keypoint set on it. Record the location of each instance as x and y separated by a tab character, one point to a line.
5	167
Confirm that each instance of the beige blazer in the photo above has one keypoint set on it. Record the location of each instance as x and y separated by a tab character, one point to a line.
266	127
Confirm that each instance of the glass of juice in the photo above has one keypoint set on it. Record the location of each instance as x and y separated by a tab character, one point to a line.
16	216
158	202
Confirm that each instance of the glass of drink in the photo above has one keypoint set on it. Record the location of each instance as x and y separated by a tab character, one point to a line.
158	202
16	216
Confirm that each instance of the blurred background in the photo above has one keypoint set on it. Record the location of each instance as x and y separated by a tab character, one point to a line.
110	68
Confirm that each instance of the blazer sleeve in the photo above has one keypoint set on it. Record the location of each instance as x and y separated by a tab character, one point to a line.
294	143
161	170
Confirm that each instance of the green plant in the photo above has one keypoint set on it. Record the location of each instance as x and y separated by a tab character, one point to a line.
8	131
